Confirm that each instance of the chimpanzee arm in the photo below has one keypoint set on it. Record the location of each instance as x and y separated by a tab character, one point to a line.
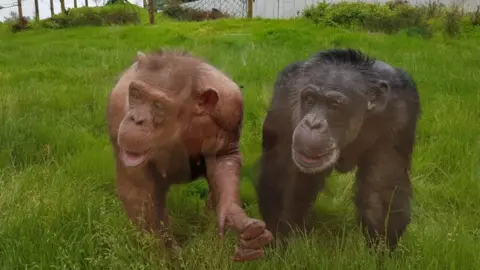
144	196
275	172
223	175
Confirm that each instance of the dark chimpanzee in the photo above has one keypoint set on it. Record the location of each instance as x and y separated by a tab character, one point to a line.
340	109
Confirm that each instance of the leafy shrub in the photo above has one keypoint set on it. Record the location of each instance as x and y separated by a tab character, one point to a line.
392	17
20	25
451	21
389	18
178	12
475	17
114	14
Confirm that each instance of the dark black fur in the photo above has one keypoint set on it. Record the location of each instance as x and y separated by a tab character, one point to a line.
381	151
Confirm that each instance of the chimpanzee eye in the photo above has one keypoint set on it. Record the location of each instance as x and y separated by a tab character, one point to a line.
159	112
134	93
159	116
334	104
309	101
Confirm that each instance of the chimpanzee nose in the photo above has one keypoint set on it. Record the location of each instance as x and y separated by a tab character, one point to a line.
315	122
137	119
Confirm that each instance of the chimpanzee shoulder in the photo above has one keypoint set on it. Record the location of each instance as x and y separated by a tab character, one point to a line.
288	72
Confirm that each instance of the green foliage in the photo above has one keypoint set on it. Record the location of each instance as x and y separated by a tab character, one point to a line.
113	14
392	17
119	2
57	193
452	24
475	17
182	13
20	25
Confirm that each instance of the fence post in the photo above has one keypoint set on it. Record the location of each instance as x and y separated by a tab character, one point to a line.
250	9
151	11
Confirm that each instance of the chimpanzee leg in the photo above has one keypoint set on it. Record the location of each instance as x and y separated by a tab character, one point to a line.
276	169
274	176
383	192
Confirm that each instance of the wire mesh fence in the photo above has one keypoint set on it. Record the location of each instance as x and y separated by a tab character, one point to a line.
234	8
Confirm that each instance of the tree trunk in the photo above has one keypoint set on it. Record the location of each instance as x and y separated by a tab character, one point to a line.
151	11
52	11
62	6
37	13
75	3
20	9
86	3
145	4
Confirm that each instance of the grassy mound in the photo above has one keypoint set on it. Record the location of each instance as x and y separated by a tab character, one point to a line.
57	200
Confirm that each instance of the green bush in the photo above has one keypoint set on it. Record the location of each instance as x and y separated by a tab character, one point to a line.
178	12
115	14
475	17
20	25
393	17
451	21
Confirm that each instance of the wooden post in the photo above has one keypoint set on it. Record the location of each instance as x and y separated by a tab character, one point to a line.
249	9
62	6
151	11
37	14
52	11
20	9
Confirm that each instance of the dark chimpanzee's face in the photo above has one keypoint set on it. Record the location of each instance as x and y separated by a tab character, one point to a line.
331	113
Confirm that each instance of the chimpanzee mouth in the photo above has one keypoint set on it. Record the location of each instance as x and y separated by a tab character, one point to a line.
133	159
320	161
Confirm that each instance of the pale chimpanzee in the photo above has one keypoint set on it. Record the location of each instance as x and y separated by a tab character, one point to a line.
173	118
340	109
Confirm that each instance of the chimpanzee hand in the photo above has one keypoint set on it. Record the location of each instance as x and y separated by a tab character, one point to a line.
252	235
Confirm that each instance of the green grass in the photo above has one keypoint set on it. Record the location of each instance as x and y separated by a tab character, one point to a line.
58	208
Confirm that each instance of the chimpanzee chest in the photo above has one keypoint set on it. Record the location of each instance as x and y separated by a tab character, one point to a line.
198	168
183	171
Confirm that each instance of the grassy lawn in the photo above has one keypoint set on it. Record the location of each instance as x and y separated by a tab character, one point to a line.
58	208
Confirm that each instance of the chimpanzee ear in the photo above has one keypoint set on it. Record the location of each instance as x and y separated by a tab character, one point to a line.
207	100
378	96
141	59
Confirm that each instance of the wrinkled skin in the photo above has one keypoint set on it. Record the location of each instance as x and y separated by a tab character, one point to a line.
339	110
173	118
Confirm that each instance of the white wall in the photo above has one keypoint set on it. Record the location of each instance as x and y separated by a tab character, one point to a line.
290	8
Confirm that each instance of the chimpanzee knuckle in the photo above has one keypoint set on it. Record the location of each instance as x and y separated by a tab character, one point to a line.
253	229
257	242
